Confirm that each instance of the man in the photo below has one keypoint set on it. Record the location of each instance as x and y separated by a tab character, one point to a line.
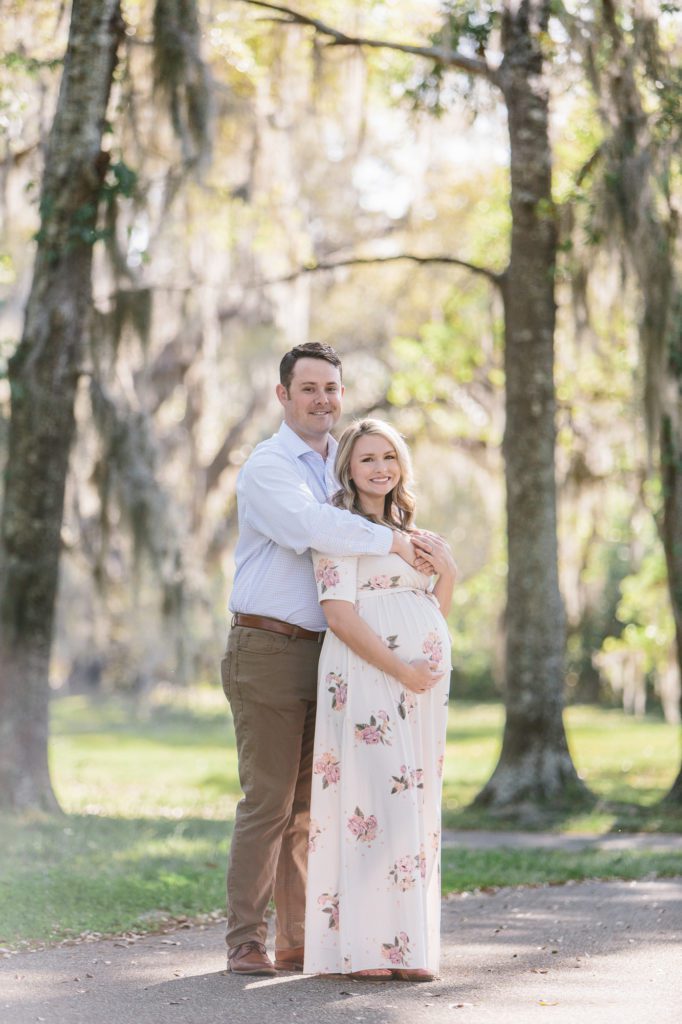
270	666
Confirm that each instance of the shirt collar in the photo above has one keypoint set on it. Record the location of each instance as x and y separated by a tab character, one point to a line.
297	446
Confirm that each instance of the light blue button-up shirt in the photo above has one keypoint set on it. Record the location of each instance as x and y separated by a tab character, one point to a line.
282	493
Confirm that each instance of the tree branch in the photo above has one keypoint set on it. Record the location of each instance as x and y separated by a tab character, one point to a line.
590	164
442	55
221	459
357	261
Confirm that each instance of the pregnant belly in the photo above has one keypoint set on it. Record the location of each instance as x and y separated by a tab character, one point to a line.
411	625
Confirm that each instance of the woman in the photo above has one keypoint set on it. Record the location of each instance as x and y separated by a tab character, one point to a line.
373	895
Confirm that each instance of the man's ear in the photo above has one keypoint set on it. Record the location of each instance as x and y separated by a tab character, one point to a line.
282	394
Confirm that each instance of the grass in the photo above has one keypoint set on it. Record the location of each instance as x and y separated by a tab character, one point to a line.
62	878
149	793
466	870
629	764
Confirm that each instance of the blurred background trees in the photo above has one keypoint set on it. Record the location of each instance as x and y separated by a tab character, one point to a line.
244	160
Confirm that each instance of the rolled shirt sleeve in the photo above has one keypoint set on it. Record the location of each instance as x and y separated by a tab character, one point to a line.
283	508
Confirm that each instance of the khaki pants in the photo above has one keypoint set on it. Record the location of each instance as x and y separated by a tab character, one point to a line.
270	681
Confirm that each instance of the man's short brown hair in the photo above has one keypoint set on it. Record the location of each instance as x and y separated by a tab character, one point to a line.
311	350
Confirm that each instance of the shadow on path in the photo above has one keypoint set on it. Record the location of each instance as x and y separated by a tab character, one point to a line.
603	952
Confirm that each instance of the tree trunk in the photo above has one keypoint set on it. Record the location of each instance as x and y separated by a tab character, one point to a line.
671	478
43	376
535	765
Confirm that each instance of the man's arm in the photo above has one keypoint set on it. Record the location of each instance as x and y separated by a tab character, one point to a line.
280	505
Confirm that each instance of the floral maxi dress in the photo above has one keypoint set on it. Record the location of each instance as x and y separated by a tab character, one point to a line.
373	894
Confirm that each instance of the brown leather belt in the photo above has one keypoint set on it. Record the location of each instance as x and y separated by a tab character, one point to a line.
276	626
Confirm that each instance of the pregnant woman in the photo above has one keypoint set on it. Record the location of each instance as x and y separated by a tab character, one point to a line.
373	893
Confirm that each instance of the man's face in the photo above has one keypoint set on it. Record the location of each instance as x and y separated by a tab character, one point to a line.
312	405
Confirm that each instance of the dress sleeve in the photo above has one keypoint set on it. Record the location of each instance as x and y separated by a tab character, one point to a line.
336	578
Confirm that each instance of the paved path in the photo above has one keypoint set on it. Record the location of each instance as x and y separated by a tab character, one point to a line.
583	953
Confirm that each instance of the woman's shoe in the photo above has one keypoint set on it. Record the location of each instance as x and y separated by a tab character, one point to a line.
379	974
412	974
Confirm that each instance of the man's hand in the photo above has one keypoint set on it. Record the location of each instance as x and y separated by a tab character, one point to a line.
402	546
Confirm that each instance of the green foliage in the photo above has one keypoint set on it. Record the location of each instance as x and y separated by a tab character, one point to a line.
7	271
668	122
467	21
121	180
644	610
476	625
17	61
447	355
467	26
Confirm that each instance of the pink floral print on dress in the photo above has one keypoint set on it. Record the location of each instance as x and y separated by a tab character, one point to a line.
421	860
396	952
327	574
381	582
377	730
433	648
328	767
407	705
330	905
314	832
363	828
409	778
404	872
338	689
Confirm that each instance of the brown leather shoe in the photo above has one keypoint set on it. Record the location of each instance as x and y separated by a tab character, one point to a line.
289	959
249	958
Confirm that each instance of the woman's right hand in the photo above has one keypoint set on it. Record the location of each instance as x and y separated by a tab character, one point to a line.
420	676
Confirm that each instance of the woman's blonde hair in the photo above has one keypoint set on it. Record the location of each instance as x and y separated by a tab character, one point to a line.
399	504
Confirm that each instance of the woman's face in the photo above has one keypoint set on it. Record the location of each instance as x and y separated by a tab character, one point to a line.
374	467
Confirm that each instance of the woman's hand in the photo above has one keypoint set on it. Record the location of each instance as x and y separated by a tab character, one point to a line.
420	676
435	551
